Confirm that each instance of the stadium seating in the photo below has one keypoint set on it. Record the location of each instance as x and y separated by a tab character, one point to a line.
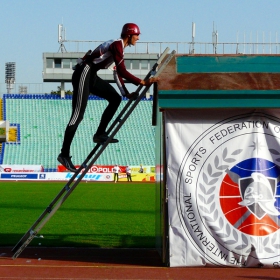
40	122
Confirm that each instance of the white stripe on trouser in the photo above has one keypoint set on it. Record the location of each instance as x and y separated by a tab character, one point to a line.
80	95
117	80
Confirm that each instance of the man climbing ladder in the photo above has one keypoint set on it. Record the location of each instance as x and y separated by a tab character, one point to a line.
86	81
91	158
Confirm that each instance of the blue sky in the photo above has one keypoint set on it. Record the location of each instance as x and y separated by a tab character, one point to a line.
29	27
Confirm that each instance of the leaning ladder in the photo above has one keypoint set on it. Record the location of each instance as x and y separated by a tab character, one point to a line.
91	158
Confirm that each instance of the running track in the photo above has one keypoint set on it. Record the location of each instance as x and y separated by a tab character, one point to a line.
87	263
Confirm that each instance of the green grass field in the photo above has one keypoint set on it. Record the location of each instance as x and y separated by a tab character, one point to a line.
105	215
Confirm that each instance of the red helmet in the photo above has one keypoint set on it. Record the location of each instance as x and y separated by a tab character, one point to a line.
130	29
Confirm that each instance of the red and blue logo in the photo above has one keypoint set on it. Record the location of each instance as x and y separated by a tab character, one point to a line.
250	196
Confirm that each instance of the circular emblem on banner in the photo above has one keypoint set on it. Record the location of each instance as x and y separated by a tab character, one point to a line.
228	191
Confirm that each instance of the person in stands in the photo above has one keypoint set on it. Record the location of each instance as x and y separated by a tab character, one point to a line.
85	81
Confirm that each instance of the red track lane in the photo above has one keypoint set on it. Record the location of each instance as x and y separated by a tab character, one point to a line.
85	263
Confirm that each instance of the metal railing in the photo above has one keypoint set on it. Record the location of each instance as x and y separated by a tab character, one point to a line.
156	47
29	88
183	47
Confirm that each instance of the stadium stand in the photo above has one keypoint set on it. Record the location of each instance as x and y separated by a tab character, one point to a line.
39	122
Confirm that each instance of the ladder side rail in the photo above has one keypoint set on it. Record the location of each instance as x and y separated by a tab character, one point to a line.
70	190
100	151
40	224
43	219
27	236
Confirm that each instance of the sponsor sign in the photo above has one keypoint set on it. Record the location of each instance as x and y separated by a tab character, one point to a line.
19	176
94	168
20	168
223	178
90	177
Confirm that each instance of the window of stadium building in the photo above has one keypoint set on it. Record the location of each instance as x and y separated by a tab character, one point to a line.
49	62
129	63
66	63
144	64
57	63
135	64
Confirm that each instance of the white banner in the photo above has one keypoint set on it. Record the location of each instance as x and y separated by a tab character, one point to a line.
21	168
224	193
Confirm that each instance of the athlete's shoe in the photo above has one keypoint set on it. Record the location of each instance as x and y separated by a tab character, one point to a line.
103	138
66	162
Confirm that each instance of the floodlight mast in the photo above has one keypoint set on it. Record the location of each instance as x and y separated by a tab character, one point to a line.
61	38
10	75
214	39
192	50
